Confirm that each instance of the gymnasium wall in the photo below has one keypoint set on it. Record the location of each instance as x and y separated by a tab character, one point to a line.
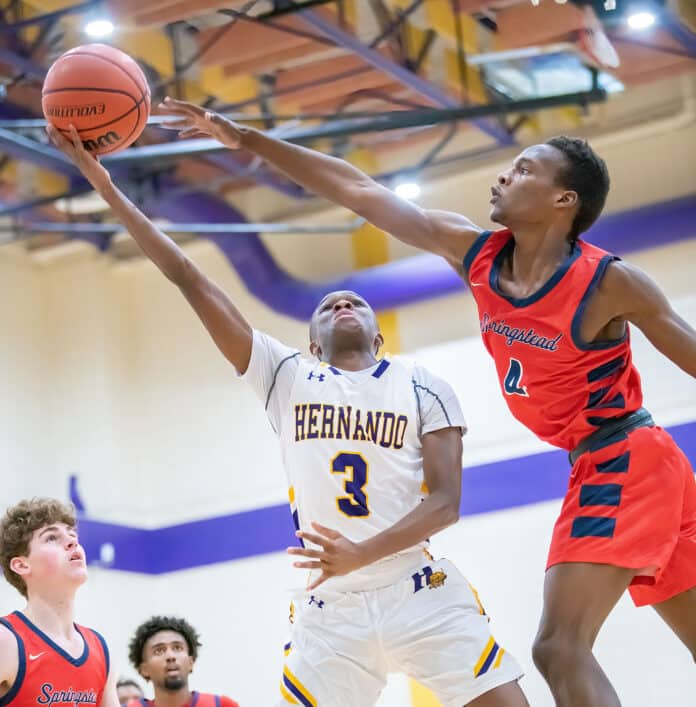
108	375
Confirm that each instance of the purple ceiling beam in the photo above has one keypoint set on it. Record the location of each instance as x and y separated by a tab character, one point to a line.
385	286
21	63
400	73
24	148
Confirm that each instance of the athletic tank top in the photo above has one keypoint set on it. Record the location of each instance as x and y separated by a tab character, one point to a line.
559	386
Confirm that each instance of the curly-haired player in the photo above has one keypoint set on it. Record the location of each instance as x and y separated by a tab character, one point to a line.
164	650
45	658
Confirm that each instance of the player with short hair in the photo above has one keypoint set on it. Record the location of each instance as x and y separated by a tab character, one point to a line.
554	314
372	451
46	658
128	690
164	650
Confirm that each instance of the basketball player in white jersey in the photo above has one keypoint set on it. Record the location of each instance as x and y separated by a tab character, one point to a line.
372	451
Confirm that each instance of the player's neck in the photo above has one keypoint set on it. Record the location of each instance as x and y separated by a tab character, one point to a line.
172	698
537	253
352	360
54	615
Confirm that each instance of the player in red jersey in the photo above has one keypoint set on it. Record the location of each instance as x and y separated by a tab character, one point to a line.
554	315
45	658
164	650
128	690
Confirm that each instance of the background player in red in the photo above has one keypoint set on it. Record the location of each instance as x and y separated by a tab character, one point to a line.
164	650
128	690
45	658
554	315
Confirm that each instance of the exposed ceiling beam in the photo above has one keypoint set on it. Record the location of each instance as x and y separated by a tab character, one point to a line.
386	121
405	76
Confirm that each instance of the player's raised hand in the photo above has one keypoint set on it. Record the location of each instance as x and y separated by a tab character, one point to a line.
338	555
85	161
195	121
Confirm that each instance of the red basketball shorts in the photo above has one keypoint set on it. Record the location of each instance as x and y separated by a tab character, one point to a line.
631	502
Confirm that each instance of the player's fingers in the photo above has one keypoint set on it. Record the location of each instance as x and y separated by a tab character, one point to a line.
192	132
174	105
314	565
60	141
327	532
75	137
312	537
54	135
304	551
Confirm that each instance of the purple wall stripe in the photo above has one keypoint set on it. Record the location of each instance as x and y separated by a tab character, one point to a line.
485	487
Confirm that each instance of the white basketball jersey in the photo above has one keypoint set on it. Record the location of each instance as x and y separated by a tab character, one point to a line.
351	444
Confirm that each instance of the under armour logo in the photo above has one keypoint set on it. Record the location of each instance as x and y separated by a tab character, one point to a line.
320	377
314	600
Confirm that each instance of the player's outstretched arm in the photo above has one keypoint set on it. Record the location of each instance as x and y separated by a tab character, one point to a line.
636	298
442	471
228	328
442	232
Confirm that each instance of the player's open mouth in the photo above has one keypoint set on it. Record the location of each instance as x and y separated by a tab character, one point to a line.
343	313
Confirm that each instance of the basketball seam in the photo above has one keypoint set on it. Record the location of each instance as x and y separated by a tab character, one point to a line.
136	104
144	90
118	66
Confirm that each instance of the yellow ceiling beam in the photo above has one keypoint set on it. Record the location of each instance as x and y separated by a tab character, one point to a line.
150	45
231	89
441	18
47	183
474	83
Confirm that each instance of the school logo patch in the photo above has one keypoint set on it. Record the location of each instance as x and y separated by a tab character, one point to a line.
437	579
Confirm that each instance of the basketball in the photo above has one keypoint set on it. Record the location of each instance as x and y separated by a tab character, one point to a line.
102	92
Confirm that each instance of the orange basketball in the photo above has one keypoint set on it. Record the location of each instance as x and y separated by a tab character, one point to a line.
102	92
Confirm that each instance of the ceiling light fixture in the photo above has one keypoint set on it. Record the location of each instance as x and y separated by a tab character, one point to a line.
99	27
640	20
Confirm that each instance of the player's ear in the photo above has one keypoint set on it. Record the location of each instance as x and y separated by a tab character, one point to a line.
19	565
379	342
142	670
315	349
567	199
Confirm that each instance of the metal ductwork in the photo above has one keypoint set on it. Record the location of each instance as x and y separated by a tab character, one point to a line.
404	281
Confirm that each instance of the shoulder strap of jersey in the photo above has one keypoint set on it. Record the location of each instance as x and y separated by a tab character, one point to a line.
98	640
474	250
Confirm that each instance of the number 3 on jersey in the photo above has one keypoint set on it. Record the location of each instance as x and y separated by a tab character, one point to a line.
354	465
513	380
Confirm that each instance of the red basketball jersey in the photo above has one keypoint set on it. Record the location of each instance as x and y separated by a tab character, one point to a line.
47	675
557	385
198	699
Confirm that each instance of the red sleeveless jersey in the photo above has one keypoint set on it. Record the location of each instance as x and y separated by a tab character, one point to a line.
198	699
48	676
557	385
